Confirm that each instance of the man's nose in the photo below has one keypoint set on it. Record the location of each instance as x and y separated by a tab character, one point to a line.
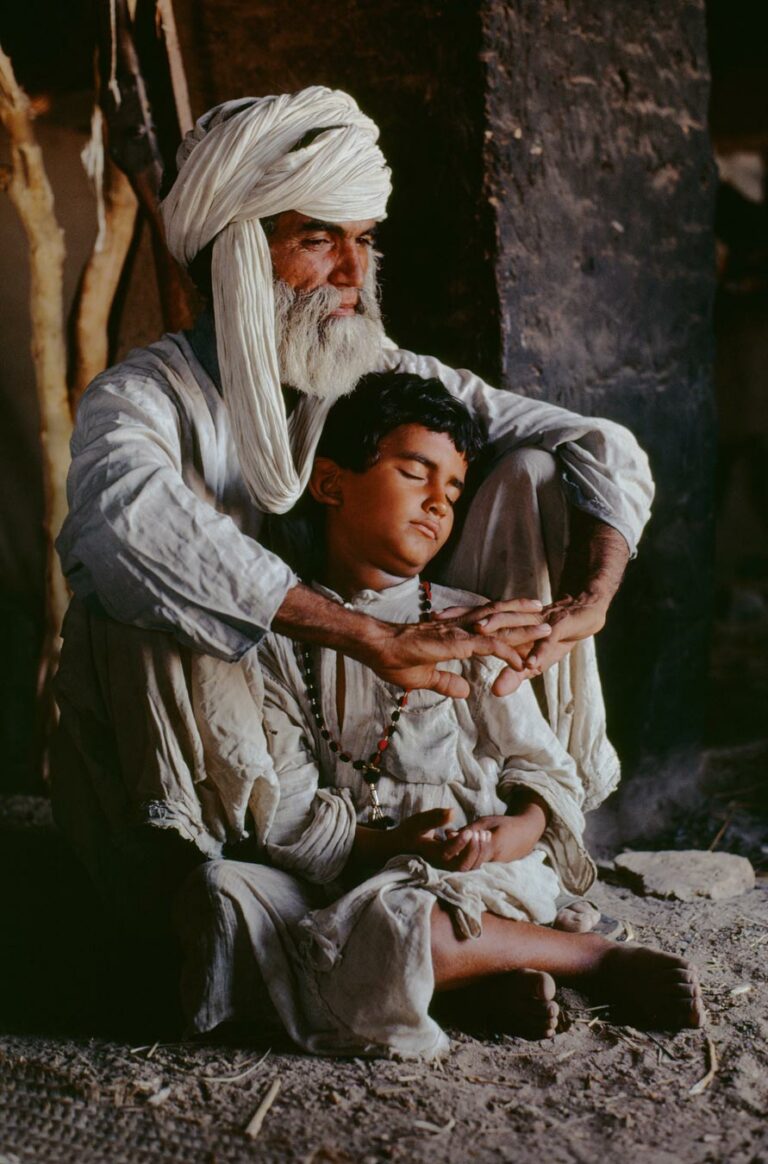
350	265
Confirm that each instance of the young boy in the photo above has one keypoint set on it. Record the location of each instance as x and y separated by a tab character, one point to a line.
482	802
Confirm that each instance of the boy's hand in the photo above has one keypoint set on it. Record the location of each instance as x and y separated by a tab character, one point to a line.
416	834
489	838
496	838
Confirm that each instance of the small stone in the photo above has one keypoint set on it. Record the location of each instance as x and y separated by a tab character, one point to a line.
686	875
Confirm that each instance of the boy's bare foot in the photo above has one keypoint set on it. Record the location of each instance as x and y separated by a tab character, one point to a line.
577	917
520	1002
649	988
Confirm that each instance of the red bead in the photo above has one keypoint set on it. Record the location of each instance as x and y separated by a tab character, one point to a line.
382	745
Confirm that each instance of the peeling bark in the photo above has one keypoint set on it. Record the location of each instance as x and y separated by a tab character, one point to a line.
30	192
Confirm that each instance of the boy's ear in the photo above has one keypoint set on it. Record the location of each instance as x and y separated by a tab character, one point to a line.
325	482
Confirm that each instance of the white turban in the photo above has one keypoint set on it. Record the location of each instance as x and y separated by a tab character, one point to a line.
240	164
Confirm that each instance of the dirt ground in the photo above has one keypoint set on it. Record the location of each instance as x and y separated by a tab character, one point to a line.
595	1092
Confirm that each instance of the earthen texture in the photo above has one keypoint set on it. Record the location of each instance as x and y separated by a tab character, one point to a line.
599	167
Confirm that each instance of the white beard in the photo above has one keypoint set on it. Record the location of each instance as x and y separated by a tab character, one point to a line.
322	355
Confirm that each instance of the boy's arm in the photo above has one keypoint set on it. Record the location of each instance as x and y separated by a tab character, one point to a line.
540	784
313	831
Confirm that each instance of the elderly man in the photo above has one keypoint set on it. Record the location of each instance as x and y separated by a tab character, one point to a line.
182	451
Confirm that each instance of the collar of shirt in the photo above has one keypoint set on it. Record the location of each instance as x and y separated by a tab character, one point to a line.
390	605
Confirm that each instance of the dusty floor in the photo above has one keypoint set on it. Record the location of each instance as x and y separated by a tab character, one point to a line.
595	1092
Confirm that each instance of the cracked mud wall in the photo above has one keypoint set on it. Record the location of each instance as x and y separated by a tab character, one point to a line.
599	166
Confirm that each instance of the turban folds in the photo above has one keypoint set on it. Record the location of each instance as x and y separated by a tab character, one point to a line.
237	165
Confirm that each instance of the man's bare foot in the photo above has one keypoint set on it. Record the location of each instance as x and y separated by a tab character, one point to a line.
648	988
577	917
520	1002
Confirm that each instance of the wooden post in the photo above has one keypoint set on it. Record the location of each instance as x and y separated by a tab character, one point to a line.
29	190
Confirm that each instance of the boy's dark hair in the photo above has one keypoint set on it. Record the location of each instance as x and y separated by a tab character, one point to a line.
380	403
354	429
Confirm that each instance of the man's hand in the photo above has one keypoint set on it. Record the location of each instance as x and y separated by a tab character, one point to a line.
571	619
407	655
594	566
507	620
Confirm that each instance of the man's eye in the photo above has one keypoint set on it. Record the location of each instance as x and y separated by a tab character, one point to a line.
367	241
314	243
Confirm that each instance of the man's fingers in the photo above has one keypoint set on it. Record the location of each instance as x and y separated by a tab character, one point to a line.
493	623
509	606
454	612
448	683
503	644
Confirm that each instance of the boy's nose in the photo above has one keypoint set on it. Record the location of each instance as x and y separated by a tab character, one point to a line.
438	505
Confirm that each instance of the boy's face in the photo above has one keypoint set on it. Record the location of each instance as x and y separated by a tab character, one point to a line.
398	513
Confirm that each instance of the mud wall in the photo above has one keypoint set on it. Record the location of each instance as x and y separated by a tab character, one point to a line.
599	166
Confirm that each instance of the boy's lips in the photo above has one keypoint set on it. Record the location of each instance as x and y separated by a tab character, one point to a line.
430	529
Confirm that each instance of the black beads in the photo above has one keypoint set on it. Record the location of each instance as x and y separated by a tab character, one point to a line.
371	766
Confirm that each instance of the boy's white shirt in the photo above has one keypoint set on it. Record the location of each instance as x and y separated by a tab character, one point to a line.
468	755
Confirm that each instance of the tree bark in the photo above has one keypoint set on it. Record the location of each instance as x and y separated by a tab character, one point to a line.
31	194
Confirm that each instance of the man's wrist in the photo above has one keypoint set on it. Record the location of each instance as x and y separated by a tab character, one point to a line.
312	618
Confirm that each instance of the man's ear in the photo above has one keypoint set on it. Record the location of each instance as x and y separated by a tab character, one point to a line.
325	483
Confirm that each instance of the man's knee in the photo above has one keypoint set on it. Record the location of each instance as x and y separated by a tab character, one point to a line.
523	470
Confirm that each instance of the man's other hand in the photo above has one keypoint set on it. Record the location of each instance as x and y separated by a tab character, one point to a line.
571	619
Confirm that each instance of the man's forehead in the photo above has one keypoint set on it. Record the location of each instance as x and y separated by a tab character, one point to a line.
291	222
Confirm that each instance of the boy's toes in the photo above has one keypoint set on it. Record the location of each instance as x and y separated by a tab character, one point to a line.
521	1002
653	989
578	917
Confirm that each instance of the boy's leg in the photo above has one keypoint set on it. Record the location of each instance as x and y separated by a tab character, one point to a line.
646	986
